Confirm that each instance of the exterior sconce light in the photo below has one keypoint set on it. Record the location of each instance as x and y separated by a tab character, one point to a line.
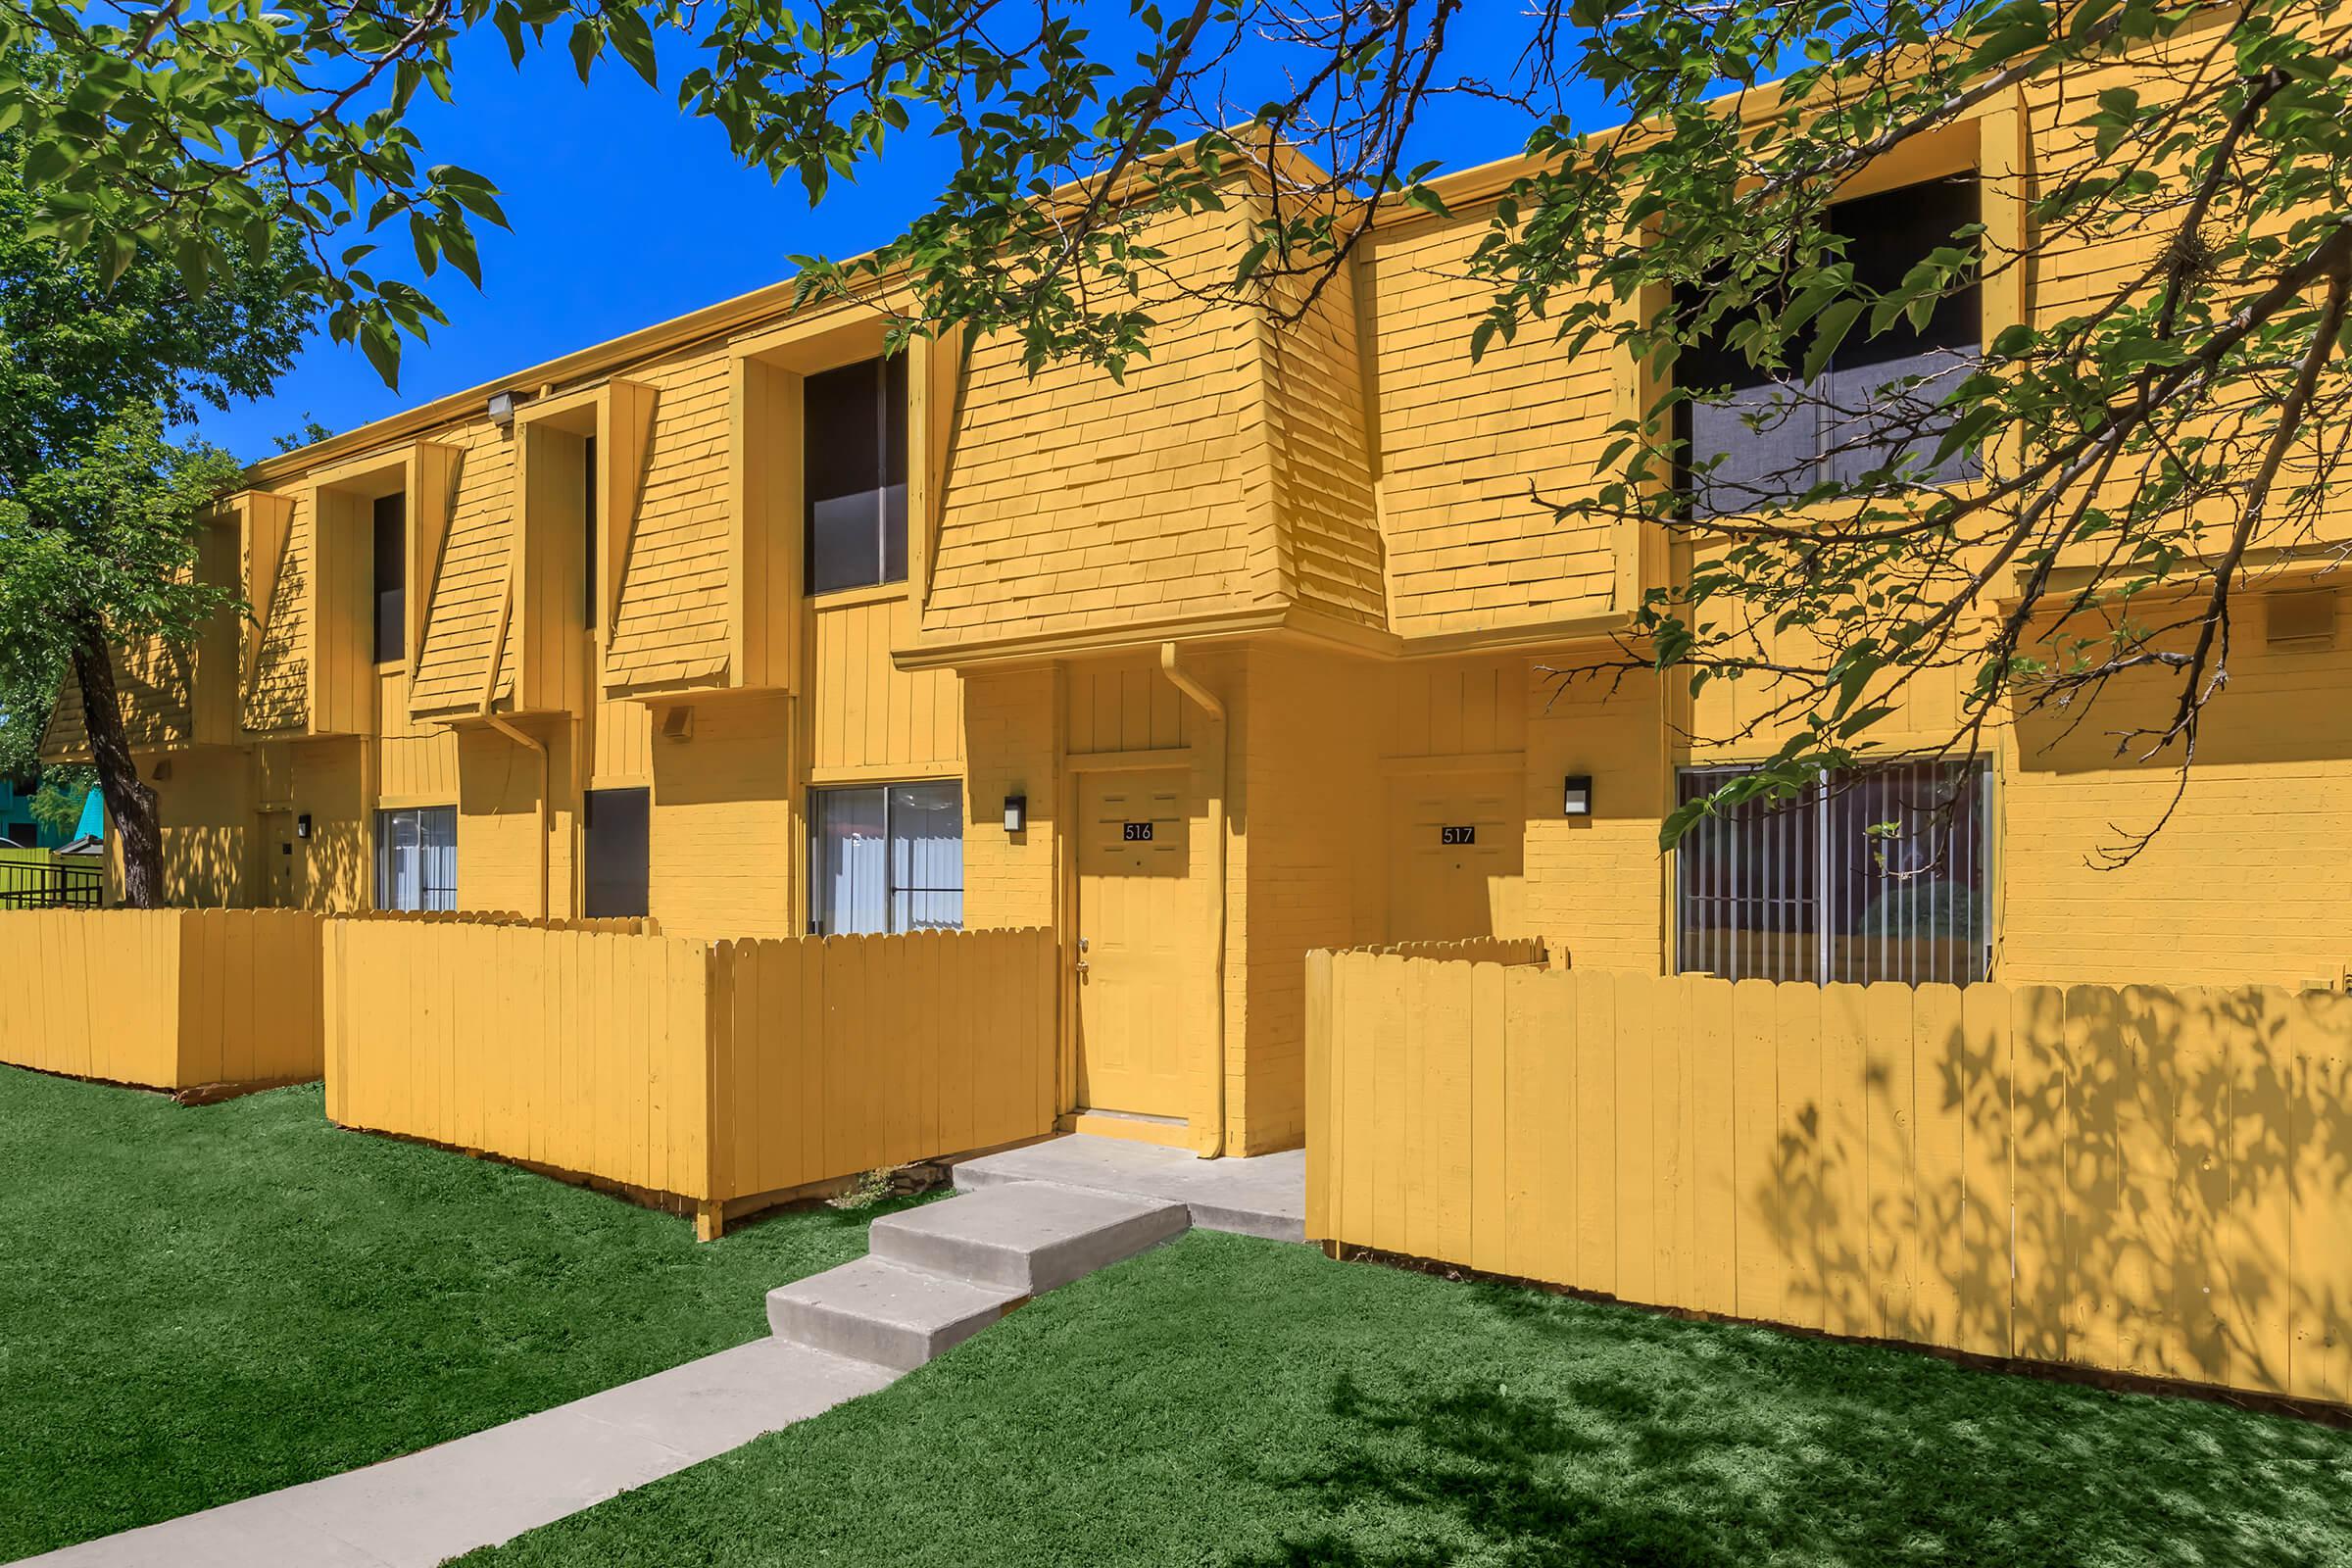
502	409
302	826
1575	797
1017	814
163	770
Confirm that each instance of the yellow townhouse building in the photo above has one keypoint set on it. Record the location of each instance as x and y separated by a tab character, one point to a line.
734	622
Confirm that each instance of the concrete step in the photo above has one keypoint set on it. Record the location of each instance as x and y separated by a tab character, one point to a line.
884	1312
1027	1237
1264	1194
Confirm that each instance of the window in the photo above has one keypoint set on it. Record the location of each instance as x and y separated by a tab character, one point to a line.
1881	877
885	859
854	467
391	578
615	828
417	858
588	610
1753	439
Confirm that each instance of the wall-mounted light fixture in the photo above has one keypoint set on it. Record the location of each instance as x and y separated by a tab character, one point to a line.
302	826
502	409
1017	814
1576	796
677	723
163	770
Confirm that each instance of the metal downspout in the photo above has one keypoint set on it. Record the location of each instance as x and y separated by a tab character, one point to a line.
1186	683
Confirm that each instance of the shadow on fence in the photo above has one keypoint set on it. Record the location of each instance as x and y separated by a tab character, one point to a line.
2136	1180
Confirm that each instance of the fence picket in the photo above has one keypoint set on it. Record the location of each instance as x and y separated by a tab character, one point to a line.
2145	1180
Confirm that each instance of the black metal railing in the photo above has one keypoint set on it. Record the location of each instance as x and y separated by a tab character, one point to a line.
25	885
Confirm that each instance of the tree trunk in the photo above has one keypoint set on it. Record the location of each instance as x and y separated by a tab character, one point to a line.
129	800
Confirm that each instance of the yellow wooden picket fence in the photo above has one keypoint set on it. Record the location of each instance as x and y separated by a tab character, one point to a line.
1513	950
164	999
712	1076
2134	1178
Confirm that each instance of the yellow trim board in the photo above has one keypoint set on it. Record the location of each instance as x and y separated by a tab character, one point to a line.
1165	1132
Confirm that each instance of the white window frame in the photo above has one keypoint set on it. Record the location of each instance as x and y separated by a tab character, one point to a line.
430	896
820	914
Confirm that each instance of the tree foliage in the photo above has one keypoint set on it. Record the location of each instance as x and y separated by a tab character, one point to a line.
98	501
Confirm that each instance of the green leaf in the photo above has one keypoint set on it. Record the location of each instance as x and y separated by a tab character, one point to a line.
1834	322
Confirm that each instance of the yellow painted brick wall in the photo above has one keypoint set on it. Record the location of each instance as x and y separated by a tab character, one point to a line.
498	825
204	810
1010	729
1596	885
726	849
1313	838
2246	883
329	782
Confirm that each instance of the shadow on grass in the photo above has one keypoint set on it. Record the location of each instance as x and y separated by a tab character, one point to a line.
1474	1468
1647	1442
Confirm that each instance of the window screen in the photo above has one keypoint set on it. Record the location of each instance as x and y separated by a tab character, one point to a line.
1753	439
614	827
417	858
391	578
887	860
1883	876
854	467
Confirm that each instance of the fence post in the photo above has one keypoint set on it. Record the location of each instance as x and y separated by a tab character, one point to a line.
718	1060
1318	1095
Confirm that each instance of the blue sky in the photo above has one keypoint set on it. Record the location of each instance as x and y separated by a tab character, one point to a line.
626	214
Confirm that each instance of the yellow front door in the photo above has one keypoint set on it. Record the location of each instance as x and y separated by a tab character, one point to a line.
1139	942
1456	856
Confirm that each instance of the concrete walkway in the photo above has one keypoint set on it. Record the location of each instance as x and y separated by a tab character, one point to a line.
933	1276
417	1510
1264	1195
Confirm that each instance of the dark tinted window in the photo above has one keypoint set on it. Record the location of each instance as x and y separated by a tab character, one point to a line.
614	826
391	577
1872	408
853	456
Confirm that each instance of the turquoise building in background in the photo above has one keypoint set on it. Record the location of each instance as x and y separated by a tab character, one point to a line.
18	829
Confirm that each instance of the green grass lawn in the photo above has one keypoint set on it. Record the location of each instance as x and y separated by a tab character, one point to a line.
201	1305
1243	1404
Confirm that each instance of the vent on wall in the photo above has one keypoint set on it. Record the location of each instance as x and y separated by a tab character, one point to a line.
2301	617
677	723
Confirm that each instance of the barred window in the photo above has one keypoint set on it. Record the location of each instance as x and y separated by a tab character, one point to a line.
1880	876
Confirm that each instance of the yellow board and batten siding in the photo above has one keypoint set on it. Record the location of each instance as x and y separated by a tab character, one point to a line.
2134	1179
